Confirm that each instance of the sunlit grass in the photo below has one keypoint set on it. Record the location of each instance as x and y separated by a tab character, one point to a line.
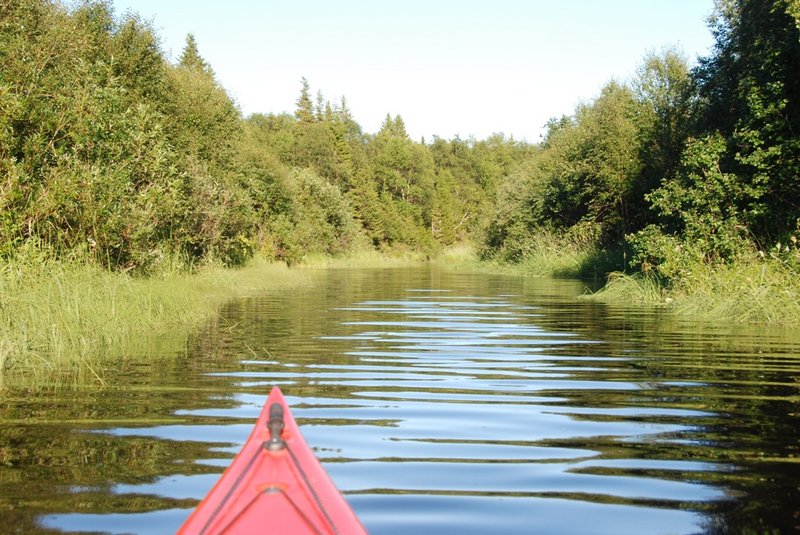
62	321
67	319
753	289
556	257
59	318
747	291
552	254
462	257
631	289
365	258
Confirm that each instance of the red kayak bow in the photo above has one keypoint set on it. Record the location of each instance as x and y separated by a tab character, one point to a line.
274	485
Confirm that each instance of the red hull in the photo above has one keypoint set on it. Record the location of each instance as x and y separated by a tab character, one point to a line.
274	486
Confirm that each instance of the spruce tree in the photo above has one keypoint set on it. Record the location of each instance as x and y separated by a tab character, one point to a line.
399	127
191	58
305	107
320	112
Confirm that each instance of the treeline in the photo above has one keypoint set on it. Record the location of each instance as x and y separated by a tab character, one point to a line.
111	152
680	166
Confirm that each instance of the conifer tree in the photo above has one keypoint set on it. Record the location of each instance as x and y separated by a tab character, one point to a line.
345	116
305	107
386	125
320	115
191	58
399	127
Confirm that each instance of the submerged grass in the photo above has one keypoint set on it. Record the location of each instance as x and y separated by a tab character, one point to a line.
58	317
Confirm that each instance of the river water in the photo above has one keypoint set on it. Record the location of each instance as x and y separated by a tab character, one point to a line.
440	402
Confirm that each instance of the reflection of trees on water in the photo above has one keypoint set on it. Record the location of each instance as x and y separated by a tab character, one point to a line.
56	468
746	378
731	395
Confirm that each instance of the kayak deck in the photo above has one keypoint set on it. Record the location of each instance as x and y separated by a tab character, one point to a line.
274	485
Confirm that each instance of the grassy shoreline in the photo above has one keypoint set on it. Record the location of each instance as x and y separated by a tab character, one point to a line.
58	318
746	292
754	289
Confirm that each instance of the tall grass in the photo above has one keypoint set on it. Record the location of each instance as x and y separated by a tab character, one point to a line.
765	291
750	290
364	258
555	254
631	289
65	319
753	288
462	257
551	255
57	317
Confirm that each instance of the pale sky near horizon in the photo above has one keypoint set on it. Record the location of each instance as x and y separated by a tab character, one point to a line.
448	67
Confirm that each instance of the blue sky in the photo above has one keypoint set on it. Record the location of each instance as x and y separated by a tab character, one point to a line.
448	67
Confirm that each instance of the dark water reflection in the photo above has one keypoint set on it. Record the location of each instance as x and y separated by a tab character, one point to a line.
441	403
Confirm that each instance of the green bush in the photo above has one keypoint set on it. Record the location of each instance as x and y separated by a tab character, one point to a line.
322	217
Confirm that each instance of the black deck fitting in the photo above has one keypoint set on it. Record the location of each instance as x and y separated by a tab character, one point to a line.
275	425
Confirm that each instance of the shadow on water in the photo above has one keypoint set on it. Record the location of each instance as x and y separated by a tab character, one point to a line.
440	402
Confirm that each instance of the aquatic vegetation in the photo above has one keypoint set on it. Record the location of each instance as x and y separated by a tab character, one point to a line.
57	317
754	290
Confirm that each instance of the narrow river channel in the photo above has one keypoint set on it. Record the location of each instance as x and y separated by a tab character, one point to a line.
440	402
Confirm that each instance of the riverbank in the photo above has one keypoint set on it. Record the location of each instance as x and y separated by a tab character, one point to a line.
754	289
62	321
552	254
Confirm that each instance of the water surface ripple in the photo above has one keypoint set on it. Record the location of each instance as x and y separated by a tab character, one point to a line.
453	403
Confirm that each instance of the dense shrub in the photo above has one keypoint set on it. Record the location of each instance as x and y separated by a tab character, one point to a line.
111	152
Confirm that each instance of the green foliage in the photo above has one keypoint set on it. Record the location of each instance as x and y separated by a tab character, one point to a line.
664	89
581	183
403	174
692	170
518	215
663	257
323	218
109	152
272	134
468	177
262	175
595	164
305	107
704	204
138	61
736	187
70	120
202	119
191	59
751	94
